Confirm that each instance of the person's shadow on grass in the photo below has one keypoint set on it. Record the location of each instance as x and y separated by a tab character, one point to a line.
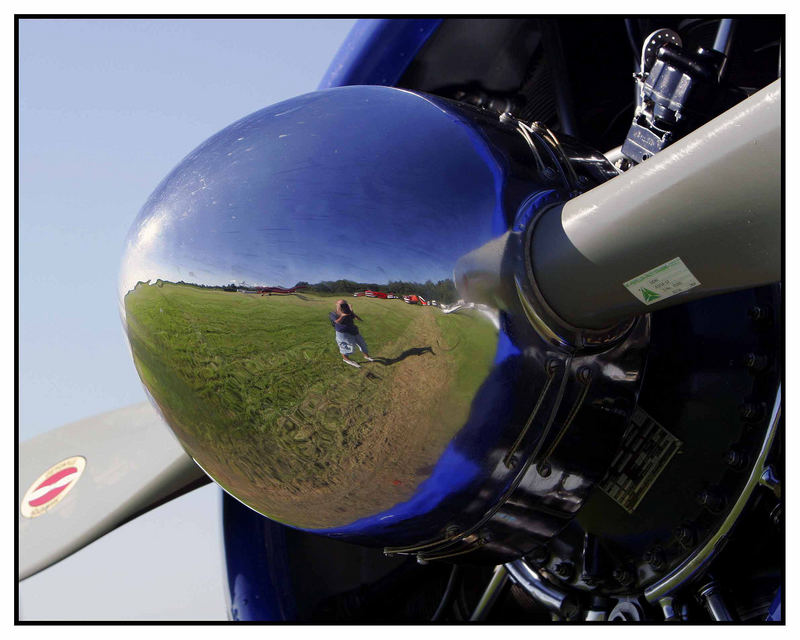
415	351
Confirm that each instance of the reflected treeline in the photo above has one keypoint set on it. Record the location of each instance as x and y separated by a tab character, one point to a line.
444	291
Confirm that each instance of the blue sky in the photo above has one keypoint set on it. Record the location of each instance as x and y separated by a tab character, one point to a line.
276	199
106	109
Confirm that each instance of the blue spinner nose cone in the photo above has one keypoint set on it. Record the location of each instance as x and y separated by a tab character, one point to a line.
387	420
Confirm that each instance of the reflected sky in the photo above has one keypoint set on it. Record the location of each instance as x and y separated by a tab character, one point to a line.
362	183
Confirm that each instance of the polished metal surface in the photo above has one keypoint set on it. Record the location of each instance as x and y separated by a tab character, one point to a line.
594	615
626	611
668	608
724	37
714	604
327	195
539	589
491	593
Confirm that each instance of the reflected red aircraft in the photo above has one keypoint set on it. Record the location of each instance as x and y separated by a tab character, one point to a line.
271	290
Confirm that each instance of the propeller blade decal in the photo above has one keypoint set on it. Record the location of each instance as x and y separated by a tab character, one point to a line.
52	486
136	464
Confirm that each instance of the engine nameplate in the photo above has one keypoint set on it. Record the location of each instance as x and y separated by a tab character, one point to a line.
648	447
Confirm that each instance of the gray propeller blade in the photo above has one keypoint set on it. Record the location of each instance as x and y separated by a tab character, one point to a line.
85	479
699	218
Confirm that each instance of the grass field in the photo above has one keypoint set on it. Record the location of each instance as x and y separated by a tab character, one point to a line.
256	388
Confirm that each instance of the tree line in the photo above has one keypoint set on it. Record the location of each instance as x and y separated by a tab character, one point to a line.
444	290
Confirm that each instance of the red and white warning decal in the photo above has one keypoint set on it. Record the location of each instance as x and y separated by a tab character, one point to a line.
52	486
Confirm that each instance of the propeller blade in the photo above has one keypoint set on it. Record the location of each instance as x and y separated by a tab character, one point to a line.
699	218
82	480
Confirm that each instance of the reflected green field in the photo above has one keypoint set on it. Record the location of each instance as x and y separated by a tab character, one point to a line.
256	384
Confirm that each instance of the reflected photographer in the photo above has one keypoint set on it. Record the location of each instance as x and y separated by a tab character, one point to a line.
347	334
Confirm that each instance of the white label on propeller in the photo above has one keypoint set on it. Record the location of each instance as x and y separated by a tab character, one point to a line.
662	282
52	486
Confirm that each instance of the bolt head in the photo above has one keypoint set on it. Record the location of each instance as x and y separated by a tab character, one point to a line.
759	313
685	535
451	531
655	558
623	576
544	469
711	500
564	569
